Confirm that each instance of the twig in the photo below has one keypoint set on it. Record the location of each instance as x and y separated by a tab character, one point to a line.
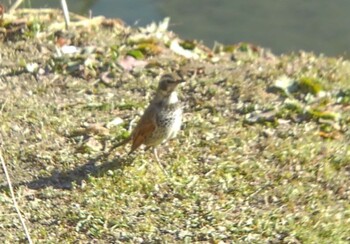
43	11
65	13
258	191
14	200
132	123
3	105
15	5
87	22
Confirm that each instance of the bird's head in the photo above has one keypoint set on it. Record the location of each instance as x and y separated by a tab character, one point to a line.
168	83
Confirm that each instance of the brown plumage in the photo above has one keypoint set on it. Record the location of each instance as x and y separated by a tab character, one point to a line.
161	120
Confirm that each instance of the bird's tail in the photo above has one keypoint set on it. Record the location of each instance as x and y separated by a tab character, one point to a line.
120	143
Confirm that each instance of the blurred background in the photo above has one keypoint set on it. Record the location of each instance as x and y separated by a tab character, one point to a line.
319	26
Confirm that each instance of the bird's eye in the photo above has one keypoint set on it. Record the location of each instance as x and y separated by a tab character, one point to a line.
170	81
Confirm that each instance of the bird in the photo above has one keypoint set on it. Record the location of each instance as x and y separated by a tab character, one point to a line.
161	120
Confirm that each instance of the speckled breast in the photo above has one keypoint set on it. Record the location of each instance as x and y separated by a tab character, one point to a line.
168	124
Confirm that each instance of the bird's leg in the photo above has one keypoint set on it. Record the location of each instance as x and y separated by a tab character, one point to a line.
158	161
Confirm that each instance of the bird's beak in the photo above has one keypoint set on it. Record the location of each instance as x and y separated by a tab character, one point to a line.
180	78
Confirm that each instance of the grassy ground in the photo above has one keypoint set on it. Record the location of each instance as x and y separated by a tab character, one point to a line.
263	155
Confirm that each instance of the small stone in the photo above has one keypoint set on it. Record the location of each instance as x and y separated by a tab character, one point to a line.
115	122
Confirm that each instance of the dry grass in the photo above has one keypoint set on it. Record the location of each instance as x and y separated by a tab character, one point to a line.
251	163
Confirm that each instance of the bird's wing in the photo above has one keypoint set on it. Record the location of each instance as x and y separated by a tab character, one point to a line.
144	128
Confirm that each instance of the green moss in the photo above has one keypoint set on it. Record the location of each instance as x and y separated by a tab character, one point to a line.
189	45
343	96
136	54
310	85
327	115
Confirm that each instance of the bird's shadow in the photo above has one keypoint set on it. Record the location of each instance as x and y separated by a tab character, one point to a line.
67	179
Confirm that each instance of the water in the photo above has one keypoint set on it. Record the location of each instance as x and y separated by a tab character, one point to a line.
320	26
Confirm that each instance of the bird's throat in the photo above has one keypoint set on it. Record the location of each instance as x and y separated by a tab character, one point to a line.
173	98
166	99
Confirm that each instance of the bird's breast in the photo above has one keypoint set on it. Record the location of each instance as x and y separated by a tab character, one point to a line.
169	121
169	116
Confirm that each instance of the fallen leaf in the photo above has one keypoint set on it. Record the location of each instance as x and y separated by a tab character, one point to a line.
129	63
178	49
